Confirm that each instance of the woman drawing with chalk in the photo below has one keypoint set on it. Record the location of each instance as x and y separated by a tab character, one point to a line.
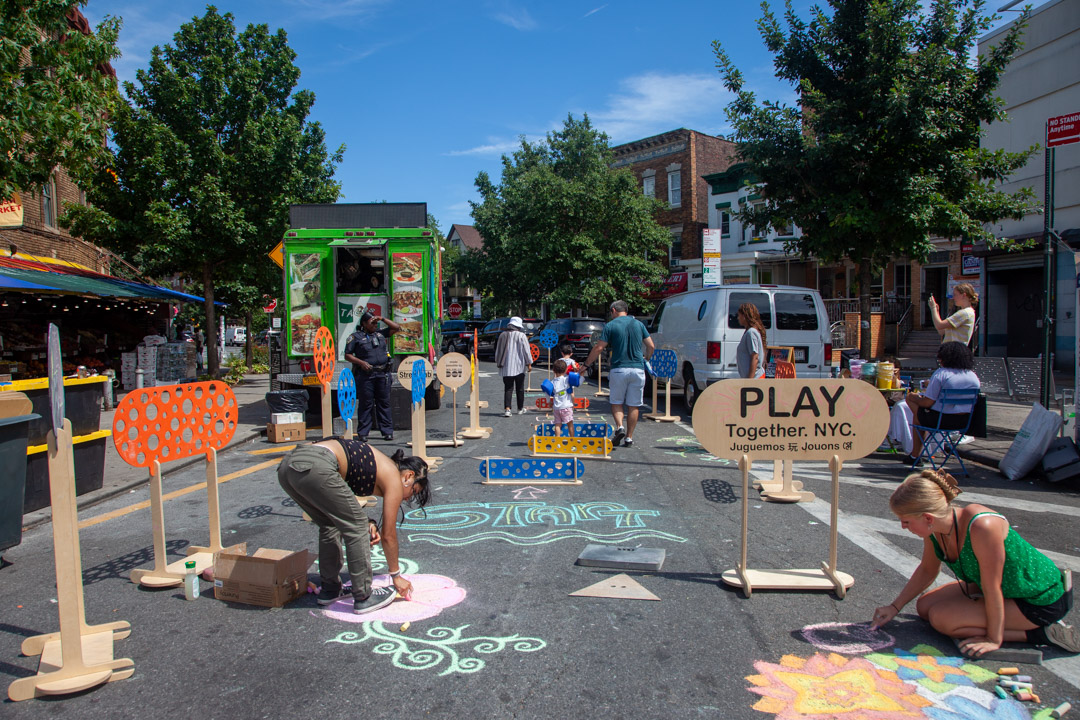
1006	590
750	354
324	479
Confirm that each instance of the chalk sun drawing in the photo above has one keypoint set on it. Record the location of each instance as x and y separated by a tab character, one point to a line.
847	638
510	522
440	646
930	668
688	448
831	685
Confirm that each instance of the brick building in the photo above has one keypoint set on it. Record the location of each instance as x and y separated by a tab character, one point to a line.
671	167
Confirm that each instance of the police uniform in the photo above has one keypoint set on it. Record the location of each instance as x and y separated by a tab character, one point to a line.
372	388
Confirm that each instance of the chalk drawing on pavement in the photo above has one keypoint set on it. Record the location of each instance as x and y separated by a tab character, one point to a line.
847	638
930	668
438	647
688	448
515	522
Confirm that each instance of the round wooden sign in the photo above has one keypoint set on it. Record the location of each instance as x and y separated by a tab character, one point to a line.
404	371
534	350
453	370
324	355
791	419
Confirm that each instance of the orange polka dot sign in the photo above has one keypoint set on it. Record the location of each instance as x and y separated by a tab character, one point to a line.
173	422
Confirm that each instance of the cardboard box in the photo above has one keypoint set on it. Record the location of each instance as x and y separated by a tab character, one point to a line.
289	417
285	432
269	578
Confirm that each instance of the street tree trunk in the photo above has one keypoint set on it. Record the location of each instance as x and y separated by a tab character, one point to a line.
213	362
866	277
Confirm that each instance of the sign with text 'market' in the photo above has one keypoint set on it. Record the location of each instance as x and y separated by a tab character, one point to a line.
791	419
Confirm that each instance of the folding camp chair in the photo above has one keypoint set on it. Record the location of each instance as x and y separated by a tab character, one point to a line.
939	439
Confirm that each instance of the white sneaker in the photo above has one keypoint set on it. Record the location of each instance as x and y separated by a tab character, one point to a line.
522	411
507	413
1064	636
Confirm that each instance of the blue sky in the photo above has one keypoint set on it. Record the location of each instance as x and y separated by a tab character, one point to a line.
427	94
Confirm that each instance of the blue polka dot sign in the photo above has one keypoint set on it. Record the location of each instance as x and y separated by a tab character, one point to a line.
346	394
664	362
419	380
548	339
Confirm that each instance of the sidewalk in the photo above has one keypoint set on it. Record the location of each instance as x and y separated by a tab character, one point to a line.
120	477
1003	420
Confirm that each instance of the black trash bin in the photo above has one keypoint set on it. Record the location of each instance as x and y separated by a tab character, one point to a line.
14	432
287	401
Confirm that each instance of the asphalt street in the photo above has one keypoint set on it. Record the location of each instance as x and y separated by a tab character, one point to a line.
493	630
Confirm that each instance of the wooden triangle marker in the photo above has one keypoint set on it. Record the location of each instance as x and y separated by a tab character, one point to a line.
621	587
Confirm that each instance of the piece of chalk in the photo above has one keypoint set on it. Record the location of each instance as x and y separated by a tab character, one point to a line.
1014	678
1017	687
405	625
1061	710
1008	671
1000	692
1024	696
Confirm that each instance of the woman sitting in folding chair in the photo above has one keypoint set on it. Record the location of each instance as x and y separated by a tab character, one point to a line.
1006	590
956	373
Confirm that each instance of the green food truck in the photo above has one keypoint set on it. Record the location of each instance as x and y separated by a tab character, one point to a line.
341	259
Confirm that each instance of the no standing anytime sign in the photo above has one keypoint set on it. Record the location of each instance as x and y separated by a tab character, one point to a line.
1063	129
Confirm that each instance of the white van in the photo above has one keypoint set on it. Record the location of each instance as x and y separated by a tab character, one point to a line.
703	328
236	336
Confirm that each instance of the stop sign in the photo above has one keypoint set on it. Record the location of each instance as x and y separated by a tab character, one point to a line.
271	306
455	310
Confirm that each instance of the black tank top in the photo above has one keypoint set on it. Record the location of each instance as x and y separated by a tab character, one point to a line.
359	465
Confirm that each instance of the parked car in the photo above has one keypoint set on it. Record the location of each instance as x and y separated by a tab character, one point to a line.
457	335
576	331
236	336
490	334
263	336
703	328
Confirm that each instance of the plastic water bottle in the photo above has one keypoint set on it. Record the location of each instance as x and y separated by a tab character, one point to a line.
191	581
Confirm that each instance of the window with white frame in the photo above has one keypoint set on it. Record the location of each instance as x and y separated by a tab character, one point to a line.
675	250
786	229
674	188
725	224
648	186
902	280
48	203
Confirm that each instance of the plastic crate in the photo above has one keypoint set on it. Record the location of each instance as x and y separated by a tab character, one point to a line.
89	469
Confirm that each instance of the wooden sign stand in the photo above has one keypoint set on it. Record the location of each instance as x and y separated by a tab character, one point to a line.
80	656
453	370
164	575
788	419
782	488
475	431
827	578
327	412
600	391
667	416
419	433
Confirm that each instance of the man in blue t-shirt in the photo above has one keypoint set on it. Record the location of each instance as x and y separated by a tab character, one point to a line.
630	346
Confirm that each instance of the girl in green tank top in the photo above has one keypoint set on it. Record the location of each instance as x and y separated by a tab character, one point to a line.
1006	590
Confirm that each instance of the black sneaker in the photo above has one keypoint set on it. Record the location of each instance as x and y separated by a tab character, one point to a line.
329	594
379	597
628	442
912	461
620	433
388	437
1064	636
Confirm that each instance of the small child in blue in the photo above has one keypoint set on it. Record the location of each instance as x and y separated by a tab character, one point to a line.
561	390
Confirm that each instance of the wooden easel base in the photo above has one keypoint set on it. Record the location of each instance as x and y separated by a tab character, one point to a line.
432	462
476	433
601	393
456	442
483	404
98	667
156	578
662	418
787	497
788	579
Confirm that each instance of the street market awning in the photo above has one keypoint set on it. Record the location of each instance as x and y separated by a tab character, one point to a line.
22	275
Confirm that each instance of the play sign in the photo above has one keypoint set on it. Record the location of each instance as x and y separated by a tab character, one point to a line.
1063	130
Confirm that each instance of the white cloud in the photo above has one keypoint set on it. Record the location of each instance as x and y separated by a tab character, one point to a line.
656	102
494	146
515	16
329	9
593	11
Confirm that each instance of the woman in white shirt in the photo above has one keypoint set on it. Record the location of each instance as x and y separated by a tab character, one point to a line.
959	326
956	373
513	357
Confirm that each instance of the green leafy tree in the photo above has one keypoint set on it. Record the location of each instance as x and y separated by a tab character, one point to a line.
882	153
563	227
56	91
211	147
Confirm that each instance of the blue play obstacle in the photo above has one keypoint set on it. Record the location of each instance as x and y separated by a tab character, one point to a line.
346	394
580	430
534	469
664	363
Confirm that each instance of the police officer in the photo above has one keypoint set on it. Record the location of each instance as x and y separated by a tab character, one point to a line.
367	351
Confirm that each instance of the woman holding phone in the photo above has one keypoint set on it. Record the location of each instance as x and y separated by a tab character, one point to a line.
959	326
